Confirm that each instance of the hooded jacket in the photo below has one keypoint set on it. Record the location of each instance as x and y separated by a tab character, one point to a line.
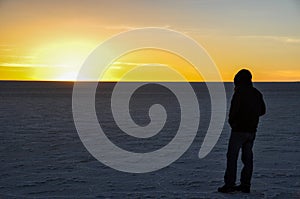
247	104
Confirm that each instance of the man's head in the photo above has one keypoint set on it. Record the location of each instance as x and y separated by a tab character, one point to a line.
243	78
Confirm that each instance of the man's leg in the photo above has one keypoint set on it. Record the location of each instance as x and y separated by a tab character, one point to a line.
235	143
247	159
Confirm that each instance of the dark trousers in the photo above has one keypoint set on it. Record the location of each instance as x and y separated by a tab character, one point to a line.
237	141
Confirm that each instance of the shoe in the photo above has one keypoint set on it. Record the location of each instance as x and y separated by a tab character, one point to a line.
243	188
227	189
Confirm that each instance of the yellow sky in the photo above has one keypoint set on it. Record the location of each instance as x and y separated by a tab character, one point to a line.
49	40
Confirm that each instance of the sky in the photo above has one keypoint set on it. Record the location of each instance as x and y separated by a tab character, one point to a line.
49	40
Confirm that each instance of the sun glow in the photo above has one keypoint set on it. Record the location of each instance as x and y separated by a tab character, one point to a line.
67	76
63	59
64	53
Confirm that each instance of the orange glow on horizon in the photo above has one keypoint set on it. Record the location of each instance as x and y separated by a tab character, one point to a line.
49	41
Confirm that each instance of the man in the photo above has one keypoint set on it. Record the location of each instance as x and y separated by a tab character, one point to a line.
247	105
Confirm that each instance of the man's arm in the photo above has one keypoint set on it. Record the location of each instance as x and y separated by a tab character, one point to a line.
234	107
262	106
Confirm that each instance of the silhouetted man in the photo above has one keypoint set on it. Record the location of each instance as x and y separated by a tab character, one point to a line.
247	105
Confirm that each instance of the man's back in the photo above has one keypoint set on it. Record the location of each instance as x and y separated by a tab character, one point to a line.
246	106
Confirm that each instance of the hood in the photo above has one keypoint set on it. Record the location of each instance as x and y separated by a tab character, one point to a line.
243	78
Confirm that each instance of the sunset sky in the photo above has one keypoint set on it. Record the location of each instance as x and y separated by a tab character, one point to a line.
49	40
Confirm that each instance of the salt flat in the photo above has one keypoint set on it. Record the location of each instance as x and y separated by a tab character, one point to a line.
42	156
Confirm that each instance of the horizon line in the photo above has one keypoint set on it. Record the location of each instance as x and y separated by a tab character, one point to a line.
73	81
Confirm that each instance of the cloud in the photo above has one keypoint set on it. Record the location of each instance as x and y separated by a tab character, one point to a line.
288	73
18	65
7	47
153	65
125	27
121	27
125	63
115	65
121	65
18	57
283	39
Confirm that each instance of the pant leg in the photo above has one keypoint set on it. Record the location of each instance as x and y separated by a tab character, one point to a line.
235	143
247	159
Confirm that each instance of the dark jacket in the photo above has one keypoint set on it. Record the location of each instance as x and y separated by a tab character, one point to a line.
247	105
